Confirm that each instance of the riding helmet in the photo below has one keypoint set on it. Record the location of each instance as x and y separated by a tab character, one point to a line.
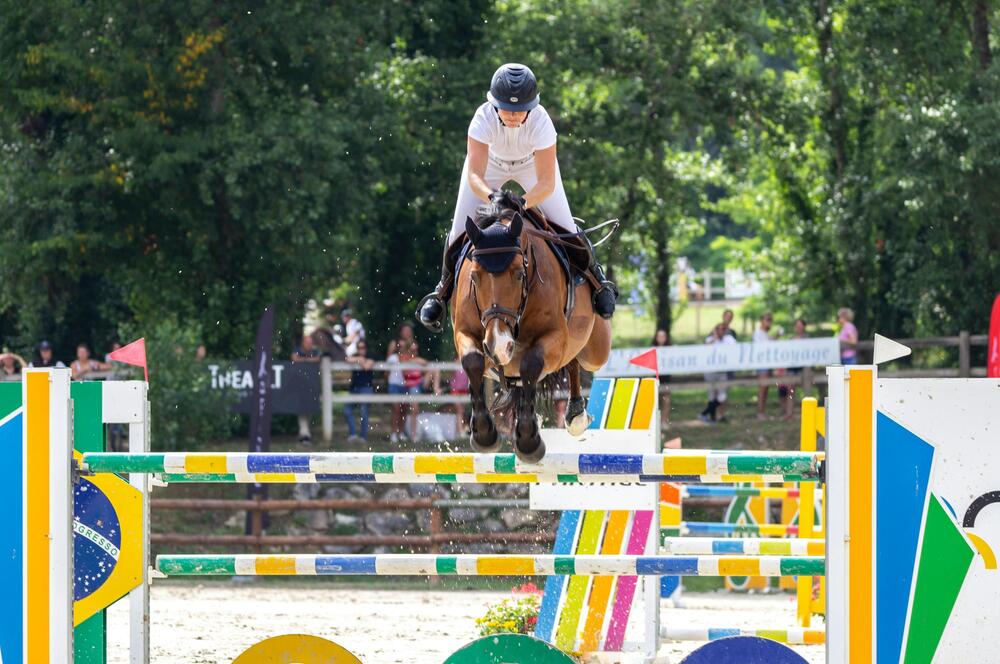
513	88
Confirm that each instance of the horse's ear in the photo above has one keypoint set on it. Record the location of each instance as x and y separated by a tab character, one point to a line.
472	230
516	224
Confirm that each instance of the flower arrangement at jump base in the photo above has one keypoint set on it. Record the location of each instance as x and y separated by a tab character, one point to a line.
514	615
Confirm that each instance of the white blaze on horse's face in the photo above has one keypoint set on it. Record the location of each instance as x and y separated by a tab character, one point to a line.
499	284
503	289
499	342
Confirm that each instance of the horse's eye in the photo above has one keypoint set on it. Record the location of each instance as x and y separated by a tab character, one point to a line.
520	276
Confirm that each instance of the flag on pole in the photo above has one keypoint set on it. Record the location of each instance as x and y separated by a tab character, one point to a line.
134	354
647	360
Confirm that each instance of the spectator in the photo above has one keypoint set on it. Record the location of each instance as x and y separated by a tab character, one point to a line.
413	383
560	400
727	321
306	351
84	365
762	335
396	386
715	409
46	358
361	383
200	353
354	331
459	386
661	339
403	335
11	365
786	393
848	337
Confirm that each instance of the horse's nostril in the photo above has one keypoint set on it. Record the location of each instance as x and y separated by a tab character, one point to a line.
510	347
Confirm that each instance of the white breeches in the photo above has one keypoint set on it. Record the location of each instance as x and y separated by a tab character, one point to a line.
499	173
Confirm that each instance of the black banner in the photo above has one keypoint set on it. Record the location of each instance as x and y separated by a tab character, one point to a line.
295	387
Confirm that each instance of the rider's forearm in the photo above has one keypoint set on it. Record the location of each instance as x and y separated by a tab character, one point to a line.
542	190
479	186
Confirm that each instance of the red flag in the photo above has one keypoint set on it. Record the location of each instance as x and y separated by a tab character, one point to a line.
993	342
647	360
134	354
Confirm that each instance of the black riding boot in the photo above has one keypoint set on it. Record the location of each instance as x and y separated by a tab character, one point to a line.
431	310
606	296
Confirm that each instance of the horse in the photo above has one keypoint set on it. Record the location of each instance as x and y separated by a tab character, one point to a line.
509	319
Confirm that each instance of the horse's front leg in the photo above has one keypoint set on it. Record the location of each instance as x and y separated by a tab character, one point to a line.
577	417
540	359
483	434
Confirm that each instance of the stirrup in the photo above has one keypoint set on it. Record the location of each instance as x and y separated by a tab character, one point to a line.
433	324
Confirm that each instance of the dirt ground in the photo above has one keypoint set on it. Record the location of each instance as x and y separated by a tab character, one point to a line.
215	622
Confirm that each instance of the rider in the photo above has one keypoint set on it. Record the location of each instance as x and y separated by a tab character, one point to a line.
511	137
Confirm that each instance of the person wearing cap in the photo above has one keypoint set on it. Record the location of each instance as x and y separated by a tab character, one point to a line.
511	137
354	332
45	357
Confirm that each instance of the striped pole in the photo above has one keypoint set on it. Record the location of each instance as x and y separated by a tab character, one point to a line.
707	491
793	636
443	478
485	565
745	546
716	529
406	467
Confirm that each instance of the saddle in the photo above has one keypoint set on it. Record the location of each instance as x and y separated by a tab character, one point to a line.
574	260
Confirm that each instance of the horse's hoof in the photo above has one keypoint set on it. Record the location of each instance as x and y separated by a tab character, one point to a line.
487	443
531	450
579	424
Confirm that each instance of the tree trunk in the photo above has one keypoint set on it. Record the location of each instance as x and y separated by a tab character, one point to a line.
981	33
833	115
661	286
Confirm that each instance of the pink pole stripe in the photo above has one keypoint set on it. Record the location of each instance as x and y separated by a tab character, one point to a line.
626	584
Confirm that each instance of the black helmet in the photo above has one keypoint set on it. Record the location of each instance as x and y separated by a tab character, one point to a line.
513	88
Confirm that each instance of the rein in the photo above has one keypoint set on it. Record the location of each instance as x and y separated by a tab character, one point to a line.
560	238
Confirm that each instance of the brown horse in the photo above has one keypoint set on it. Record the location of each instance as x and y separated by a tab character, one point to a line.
508	314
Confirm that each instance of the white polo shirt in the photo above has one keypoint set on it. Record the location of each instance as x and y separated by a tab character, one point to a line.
517	143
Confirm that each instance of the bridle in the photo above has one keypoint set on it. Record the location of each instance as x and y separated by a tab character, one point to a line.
506	315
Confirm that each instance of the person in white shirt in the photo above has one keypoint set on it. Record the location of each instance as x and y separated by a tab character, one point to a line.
354	332
511	137
715	409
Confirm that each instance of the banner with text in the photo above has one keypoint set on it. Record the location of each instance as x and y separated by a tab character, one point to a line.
295	387
712	358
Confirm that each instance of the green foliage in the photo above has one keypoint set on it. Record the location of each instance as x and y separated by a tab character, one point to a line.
185	411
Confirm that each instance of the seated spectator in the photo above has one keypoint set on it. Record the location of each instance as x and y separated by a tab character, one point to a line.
46	358
305	351
361	383
414	383
848	337
354	331
11	365
84	365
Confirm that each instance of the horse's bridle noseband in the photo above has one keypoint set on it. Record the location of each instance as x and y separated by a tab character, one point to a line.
505	315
